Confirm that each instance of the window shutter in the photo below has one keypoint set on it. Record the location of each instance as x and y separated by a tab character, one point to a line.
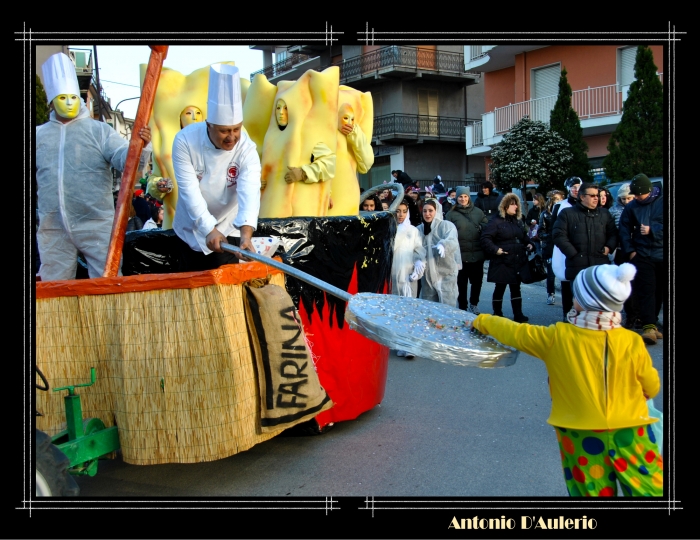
627	58
546	81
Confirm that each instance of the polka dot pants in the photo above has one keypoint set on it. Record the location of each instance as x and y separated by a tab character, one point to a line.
595	460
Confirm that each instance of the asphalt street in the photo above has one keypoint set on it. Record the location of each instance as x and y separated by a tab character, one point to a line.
441	430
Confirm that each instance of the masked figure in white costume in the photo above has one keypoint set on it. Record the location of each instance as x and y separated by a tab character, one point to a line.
409	259
218	173
74	154
443	257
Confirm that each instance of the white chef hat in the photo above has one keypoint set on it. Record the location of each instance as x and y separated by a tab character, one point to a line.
59	76
224	106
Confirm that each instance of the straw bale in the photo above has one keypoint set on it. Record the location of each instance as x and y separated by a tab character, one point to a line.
174	369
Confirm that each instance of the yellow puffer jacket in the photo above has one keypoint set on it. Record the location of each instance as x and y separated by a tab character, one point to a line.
583	395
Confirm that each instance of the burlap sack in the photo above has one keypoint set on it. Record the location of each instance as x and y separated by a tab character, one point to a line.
290	391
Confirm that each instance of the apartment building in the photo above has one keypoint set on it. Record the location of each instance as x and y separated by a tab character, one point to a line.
423	98
521	80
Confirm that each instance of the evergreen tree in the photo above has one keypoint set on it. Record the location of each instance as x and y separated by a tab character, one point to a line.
41	111
530	151
564	120
637	144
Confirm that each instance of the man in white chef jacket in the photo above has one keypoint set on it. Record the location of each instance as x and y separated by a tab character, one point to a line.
218	174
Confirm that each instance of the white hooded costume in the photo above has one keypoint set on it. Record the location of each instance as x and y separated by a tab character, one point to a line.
74	182
409	258
439	283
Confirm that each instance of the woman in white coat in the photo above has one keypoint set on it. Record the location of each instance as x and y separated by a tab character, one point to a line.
409	259
443	258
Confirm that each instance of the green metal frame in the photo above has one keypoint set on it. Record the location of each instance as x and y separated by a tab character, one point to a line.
84	441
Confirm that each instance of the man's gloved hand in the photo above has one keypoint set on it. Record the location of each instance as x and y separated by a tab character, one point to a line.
295	174
441	250
413	277
164	185
419	267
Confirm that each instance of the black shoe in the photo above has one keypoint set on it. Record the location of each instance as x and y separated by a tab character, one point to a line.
498	313
521	318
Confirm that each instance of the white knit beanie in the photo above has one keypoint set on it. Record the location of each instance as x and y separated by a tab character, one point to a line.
604	287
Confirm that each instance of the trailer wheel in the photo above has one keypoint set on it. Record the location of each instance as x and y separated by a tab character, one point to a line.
52	476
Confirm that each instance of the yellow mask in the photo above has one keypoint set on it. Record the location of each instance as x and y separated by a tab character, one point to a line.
281	113
190	115
67	105
346	116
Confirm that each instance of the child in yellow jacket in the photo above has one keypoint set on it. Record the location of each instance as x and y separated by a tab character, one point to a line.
600	376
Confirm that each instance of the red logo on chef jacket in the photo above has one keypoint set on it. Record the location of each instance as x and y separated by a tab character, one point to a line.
232	176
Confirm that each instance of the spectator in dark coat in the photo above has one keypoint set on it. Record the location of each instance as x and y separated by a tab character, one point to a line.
585	234
642	237
143	209
469	221
488	200
438	186
544	233
505	240
402	178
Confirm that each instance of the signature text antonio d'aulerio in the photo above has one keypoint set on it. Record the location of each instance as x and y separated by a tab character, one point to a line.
525	522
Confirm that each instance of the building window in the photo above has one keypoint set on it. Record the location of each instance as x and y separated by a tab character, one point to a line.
626	57
427	112
545	87
377	103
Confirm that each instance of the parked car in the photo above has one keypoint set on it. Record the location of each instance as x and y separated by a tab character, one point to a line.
656	181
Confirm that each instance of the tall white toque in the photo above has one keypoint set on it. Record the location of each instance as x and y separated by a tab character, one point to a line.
224	106
59	77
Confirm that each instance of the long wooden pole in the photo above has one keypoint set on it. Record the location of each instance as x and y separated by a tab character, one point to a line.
143	115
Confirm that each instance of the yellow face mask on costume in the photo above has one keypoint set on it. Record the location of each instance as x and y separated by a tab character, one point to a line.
281	113
346	116
67	105
190	115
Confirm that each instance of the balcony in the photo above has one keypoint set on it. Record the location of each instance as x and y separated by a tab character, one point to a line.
413	128
399	62
599	110
289	64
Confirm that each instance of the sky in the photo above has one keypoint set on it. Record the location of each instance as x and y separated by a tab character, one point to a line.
120	71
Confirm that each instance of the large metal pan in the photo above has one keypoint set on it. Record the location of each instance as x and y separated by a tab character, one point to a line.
427	329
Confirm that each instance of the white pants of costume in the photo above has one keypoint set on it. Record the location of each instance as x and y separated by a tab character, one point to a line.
59	250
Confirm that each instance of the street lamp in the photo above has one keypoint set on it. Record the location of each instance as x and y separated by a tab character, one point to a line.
123	100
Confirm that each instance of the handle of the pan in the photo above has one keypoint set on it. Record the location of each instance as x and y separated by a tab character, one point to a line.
143	114
303	276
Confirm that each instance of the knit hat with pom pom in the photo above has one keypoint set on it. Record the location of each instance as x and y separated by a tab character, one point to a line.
604	287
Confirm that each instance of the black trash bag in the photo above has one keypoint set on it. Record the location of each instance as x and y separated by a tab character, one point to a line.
151	251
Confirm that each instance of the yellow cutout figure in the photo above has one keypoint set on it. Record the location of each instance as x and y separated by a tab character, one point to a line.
298	159
281	114
190	115
67	105
177	100
354	152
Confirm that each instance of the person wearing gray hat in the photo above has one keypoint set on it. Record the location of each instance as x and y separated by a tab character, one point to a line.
469	221
642	237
